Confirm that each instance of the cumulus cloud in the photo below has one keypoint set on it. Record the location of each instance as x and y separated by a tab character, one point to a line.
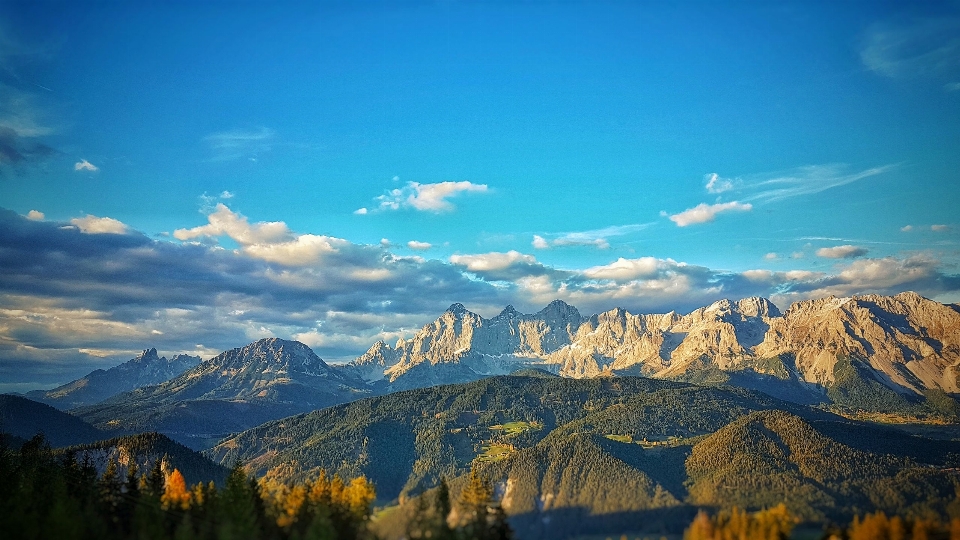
628	269
939	228
84	165
90	224
771	256
539	242
841	252
716	184
35	215
703	212
360	211
305	249
427	197
906	228
225	222
419	246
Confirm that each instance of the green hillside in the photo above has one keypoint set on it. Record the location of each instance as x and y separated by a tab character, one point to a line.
408	439
609	455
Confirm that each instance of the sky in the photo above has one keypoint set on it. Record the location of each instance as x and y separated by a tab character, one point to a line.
196	176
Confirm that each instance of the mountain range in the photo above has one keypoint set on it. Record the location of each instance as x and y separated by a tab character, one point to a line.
235	390
145	369
870	352
587	425
906	343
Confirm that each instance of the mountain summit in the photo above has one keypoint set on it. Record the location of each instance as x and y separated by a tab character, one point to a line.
147	368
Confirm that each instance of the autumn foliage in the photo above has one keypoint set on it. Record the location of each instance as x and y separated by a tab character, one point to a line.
44	496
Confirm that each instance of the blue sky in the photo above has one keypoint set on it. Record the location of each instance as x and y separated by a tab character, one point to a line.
193	177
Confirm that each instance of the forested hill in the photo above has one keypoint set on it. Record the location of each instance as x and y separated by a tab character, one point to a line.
408	439
24	418
612	454
143	450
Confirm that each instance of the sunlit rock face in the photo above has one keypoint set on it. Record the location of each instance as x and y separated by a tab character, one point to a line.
911	342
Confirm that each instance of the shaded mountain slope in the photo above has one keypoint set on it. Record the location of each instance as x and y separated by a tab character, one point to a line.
145	369
24	418
770	457
235	390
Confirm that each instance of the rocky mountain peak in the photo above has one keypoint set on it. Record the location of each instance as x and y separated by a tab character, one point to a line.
457	309
757	306
273	354
185	359
508	313
148	355
559	311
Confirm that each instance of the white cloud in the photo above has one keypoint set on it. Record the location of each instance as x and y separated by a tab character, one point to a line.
488	262
806	180
84	165
703	212
360	211
906	228
939	228
224	221
841	252
539	242
919	48
303	250
952	87
427	197
35	215
771	256
226	195
419	246
628	269
717	184
90	224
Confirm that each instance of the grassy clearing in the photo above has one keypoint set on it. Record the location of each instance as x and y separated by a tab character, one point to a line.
511	429
495	452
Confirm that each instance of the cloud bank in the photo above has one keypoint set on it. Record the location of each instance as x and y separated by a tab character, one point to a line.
91	292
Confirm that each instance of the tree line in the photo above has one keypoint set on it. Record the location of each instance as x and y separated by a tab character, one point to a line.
777	523
44	495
